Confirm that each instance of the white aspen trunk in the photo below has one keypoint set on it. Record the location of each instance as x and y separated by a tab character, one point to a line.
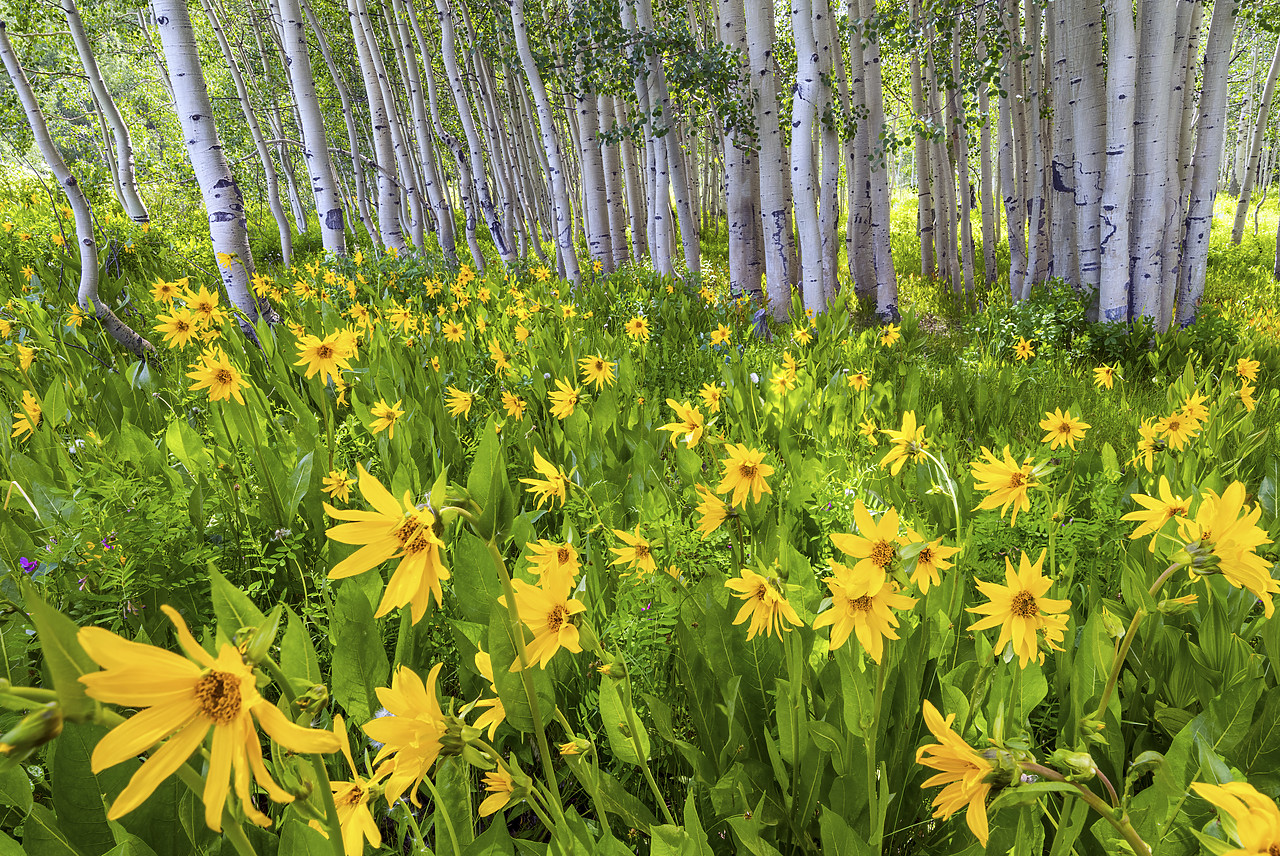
315	141
882	251
87	294
1062	152
1088	109
660	98
657	192
1181	96
255	133
1006	164
1038	215
775	188
130	199
742	213
550	145
595	199
1209	133
437	197
448	54
862	263
464	184
1151	172
804	189
829	184
1015	149
944	178
389	229
986	192
144	26
613	184
495	140
348	116
223	202
1114	279
399	149
1252	164
635	191
960	145
924	179
847	156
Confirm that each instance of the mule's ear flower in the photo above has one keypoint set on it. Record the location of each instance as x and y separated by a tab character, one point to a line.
183	699
744	473
962	771
1256	817
766	608
1007	482
1021	610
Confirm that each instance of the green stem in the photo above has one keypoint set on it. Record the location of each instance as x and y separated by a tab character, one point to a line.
417	830
1127	641
444	813
1118	819
402	638
871	739
516	628
533	800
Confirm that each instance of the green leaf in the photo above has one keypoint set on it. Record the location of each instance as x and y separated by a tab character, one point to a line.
43	837
301	839
488	484
476	584
297	654
15	787
185	444
360	662
299	481
232	606
494	841
80	795
510	685
614	710
63	656
9	847
453	781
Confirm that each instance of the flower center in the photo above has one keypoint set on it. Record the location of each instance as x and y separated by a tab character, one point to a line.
324	352
761	592
223	376
1273	850
1024	605
642	551
1064	428
882	553
218	695
1175	425
747	471
562	555
926	556
861	604
1017	479
182	326
408	531
556	618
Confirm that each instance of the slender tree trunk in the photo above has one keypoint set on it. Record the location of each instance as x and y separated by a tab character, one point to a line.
315	141
1252	164
1209	137
228	230
882	252
828	134
960	145
595	198
804	189
613	183
924	179
635	192
1088	108
550	144
389	227
87	294
348	116
129	196
986	192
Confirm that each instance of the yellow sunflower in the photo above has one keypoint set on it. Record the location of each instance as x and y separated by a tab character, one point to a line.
1256	818
637	553
744	473
862	602
1006	481
963	771
1062	429
215	373
768	610
393	530
410	732
597	370
547	610
1021	610
1225	535
690	425
183	699
385	416
1157	512
553	485
906	444
563	399
877	546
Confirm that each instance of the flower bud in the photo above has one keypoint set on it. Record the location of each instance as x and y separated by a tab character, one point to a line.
32	731
1177	605
1077	766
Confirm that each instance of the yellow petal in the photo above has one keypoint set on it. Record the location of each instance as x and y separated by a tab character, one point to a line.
160	766
141	732
291	736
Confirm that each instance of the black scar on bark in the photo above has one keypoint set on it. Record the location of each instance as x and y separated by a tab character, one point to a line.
221	216
333	219
223	182
162	20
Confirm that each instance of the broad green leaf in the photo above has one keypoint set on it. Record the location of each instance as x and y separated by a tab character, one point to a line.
630	743
476	584
63	656
360	662
510	684
43	836
15	787
232	606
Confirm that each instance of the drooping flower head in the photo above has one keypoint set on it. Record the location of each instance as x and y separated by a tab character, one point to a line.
932	558
1006	481
27	419
351	799
1021	611
564	399
962	771
1257	820
768	610
410	733
547	610
385	416
553	485
1157	512
906	444
636	554
689	426
1225	531
458	402
711	509
1104	376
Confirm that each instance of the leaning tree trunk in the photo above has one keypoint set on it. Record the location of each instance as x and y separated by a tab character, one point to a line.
1255	148
123	168
315	142
1088	114
228	230
1210	130
550	144
87	295
742	214
389	228
449	55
